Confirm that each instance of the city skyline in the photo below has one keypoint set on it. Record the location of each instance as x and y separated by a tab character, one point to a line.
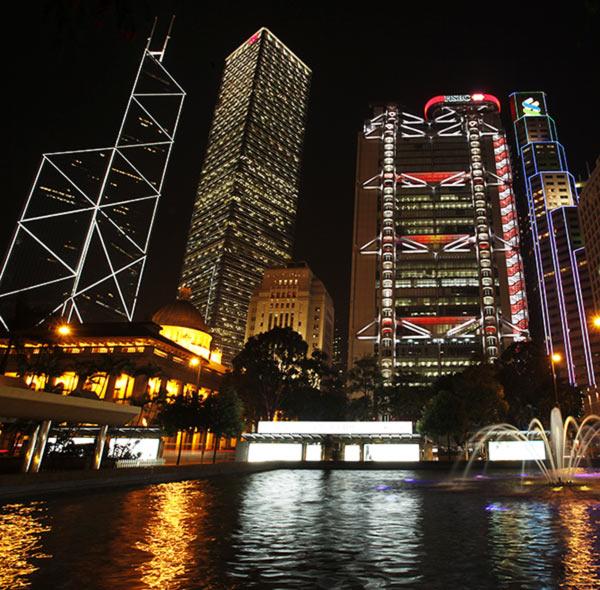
197	53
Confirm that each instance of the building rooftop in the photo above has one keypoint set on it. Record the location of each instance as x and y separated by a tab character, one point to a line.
181	313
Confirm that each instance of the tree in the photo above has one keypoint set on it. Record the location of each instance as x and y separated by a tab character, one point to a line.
269	366
462	403
526	375
182	414
365	377
443	416
400	400
224	415
322	397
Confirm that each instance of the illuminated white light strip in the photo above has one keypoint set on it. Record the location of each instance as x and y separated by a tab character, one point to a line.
112	270
58	258
37	286
341	427
70	181
51	215
69	306
151	117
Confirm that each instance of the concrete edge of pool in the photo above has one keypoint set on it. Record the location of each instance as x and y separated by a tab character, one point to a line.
31	486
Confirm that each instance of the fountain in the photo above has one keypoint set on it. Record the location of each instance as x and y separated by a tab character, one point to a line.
563	454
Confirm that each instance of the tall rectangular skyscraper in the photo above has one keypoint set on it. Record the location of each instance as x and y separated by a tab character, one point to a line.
437	277
245	208
561	286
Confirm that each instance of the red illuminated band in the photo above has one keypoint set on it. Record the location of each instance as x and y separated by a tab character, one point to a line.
477	97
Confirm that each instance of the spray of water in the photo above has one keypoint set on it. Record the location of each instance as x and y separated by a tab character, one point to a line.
566	444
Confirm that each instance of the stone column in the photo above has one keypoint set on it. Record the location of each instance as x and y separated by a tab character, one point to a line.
40	446
30	449
362	452
100	442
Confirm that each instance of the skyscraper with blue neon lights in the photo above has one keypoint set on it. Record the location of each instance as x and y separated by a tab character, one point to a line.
555	238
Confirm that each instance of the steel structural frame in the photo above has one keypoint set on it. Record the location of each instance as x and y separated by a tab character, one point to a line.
450	124
94	205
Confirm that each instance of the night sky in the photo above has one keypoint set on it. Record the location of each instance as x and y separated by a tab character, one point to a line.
71	66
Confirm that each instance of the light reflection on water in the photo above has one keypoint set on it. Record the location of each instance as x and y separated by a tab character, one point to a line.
581	523
522	544
170	533
302	529
326	528
21	530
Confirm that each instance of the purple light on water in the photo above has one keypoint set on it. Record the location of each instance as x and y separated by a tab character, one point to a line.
588	475
481	477
496	508
409	480
382	488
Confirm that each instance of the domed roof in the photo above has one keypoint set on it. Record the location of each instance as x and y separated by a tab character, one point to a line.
181	313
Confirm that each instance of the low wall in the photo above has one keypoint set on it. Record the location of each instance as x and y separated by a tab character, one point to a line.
35	485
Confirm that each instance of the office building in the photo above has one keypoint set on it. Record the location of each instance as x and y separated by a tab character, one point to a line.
589	215
81	243
245	209
437	278
561	279
292	296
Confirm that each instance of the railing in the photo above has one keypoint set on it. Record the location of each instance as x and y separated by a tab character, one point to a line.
124	463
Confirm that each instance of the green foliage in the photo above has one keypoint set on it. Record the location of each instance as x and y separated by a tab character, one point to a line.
224	413
271	366
364	378
183	413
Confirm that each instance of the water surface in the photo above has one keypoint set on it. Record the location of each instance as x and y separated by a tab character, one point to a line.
304	529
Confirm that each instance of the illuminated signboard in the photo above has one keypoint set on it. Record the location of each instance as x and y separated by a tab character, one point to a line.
458	98
531	107
462	98
528	104
390	427
516	450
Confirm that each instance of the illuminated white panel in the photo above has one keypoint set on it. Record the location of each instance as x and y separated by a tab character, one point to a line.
335	427
352	453
274	452
77	440
313	452
391	452
147	447
516	450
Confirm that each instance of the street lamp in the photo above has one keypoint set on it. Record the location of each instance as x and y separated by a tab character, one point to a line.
196	362
555	358
63	330
596	321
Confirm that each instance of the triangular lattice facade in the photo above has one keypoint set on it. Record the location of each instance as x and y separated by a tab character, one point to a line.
81	243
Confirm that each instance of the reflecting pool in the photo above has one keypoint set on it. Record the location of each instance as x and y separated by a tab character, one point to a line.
305	529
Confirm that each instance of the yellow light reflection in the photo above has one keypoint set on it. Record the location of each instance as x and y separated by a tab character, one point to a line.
580	558
21	529
169	534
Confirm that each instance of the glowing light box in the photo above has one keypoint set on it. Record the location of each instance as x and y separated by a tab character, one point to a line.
146	447
516	450
303	427
352	453
274	452
392	452
313	452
